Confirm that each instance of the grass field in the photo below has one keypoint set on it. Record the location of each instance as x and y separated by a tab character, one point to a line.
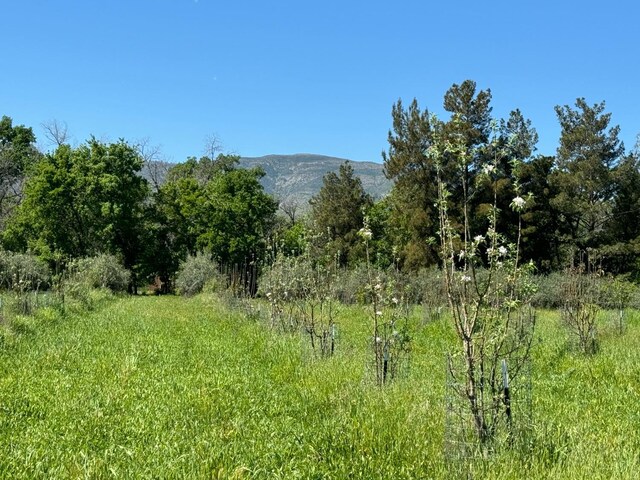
166	387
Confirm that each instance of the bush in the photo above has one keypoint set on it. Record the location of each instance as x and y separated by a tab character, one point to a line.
23	272
103	271
195	273
550	292
610	292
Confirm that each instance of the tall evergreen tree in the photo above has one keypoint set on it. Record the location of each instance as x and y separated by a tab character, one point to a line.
413	217
589	150
337	213
622	253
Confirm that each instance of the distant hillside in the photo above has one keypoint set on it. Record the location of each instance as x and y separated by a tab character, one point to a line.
299	177
295	178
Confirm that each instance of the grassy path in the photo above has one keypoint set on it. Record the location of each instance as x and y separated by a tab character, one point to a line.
174	388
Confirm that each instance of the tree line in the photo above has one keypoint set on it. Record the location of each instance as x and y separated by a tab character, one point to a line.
584	202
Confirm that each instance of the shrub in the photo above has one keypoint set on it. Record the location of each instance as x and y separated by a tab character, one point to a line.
550	293
426	286
102	271
23	272
195	273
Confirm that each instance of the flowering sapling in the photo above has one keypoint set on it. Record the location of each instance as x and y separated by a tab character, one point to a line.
390	339
487	289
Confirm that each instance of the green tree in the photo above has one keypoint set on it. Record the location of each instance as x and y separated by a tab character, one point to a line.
410	164
541	222
212	206
413	217
204	169
337	213
589	150
503	157
83	202
238	217
622	252
17	154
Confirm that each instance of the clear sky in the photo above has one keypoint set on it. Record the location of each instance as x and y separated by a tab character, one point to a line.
306	76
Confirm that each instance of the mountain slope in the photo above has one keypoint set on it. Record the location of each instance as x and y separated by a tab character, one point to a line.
296	178
293	178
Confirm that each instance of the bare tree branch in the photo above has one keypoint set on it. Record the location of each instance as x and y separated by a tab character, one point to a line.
56	132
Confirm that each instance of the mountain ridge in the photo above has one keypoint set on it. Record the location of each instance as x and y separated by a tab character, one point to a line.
298	177
295	178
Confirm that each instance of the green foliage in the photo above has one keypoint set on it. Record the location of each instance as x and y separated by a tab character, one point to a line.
413	216
589	149
410	164
17	154
224	212
196	272
82	202
102	271
622	249
337	214
238	218
23	272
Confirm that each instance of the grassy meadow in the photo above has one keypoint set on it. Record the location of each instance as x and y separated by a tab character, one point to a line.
168	387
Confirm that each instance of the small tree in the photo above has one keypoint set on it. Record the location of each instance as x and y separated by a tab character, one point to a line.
580	308
299	291
487	289
391	343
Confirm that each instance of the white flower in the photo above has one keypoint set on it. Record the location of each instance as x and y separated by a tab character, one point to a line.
518	203
487	169
379	313
478	238
502	250
466	278
394	300
378	339
365	233
461	254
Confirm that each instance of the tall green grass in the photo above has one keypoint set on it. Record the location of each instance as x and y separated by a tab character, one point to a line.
167	387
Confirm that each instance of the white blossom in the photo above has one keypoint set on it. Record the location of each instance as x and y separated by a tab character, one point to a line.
466	278
502	250
518	203
379	313
365	233
487	169
478	238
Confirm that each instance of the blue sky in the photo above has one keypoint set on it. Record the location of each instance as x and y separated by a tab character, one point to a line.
306	76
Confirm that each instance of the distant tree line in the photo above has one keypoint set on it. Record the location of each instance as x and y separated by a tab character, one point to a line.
88	200
583	203
91	199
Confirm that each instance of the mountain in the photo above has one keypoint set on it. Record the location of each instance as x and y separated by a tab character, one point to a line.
296	178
